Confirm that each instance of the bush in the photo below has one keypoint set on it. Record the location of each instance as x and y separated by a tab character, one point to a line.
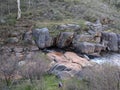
34	69
104	77
8	68
26	85
74	84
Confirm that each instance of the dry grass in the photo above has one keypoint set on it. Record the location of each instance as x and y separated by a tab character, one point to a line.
104	77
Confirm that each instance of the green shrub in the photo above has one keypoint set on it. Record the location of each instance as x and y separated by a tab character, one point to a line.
74	84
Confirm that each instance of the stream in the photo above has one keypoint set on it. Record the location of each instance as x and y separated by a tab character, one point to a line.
109	58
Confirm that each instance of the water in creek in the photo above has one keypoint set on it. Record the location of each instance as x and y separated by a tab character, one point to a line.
110	58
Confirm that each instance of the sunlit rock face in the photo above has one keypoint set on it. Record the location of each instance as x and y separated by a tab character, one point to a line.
68	62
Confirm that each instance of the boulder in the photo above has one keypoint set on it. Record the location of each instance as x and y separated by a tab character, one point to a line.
2	21
58	67
68	27
14	34
64	39
95	38
12	40
69	63
57	57
28	38
74	58
111	39
18	49
85	47
94	26
84	38
21	63
42	38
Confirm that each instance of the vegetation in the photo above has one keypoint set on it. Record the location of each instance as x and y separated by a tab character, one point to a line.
104	77
34	77
50	13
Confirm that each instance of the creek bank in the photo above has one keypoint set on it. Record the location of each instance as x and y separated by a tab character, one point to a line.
112	58
66	63
93	42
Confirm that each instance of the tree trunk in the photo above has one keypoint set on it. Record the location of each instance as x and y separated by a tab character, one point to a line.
19	10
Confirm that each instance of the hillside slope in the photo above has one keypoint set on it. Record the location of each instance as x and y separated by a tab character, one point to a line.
49	13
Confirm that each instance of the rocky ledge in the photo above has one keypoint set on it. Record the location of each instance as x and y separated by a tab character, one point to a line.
95	40
68	64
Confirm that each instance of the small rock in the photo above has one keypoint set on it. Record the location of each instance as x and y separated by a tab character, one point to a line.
18	50
21	63
19	56
34	48
13	40
2	21
28	38
68	27
94	26
14	34
60	85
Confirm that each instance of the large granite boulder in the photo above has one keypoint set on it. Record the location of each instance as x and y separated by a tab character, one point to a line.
87	38
69	63
42	38
64	39
110	40
85	47
88	43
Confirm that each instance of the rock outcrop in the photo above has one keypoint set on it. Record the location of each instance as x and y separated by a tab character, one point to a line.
88	43
69	63
64	39
92	42
42	38
110	40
